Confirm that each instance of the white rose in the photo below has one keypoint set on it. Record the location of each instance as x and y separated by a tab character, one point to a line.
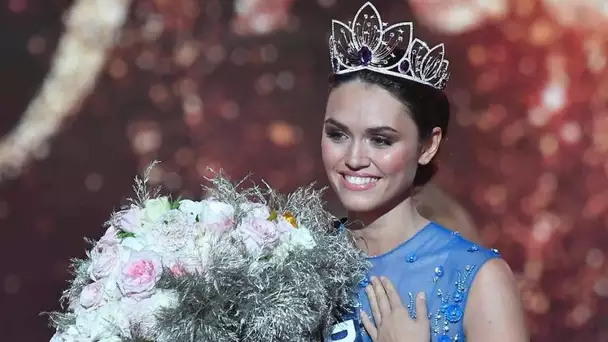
153	210
137	243
172	233
111	291
256	210
124	314
84	321
91	295
141	314
296	238
103	324
216	216
193	257
301	238
129	220
192	209
94	325
105	258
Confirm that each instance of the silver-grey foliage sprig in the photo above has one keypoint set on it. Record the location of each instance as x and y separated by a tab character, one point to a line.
79	271
141	187
235	193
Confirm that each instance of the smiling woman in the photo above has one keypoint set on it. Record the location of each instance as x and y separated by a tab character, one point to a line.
381	135
385	119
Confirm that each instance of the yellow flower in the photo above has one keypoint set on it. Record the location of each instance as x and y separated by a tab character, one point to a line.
289	217
286	215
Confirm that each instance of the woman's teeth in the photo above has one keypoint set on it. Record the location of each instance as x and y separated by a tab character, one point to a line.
360	180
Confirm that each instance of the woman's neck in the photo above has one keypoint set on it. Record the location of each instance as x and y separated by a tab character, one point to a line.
377	233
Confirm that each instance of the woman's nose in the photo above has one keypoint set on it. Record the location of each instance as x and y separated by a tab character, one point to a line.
357	157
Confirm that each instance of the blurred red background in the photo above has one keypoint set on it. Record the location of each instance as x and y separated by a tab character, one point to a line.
241	85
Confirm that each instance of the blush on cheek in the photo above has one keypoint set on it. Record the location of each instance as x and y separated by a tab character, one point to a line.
398	161
330	153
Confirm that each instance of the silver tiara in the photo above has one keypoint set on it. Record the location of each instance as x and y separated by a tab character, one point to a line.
369	43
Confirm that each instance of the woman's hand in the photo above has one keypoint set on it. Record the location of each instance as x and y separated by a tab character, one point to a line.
393	321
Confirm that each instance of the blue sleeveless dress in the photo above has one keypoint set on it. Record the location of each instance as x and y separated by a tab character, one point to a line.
436	261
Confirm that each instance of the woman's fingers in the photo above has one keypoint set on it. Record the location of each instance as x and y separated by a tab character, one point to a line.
373	303
421	310
381	297
393	296
369	326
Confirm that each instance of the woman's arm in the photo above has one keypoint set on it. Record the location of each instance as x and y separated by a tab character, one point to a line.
494	311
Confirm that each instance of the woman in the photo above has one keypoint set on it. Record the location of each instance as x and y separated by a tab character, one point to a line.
385	119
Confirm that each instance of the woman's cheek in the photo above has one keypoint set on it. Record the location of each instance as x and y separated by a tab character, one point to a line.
330	152
398	161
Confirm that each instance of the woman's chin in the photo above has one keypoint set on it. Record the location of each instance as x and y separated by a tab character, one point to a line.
359	204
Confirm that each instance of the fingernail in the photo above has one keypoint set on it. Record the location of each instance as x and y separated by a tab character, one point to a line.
421	295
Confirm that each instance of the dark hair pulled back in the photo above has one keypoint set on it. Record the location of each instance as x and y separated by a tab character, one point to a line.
427	106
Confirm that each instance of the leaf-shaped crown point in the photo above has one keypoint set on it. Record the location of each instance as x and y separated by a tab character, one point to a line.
367	27
431	63
367	43
398	38
367	12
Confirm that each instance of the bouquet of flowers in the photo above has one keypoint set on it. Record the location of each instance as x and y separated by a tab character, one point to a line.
243	265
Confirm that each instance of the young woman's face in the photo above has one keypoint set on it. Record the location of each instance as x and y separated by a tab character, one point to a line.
370	147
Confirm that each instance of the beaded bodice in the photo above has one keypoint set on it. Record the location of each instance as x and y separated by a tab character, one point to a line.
436	261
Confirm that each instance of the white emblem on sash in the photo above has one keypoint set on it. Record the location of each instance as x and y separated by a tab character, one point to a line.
344	332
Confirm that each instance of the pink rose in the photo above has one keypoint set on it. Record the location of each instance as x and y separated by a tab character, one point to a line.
91	295
178	269
105	257
258	233
140	274
221	227
128	220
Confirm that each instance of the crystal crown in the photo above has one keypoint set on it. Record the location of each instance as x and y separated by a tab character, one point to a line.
369	43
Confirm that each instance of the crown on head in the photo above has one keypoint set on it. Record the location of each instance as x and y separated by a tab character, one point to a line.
369	43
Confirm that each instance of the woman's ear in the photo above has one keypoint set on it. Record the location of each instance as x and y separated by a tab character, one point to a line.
430	146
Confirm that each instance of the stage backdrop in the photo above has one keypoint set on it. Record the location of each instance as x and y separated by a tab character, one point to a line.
92	91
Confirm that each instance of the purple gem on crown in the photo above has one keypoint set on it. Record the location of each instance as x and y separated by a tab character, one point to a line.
404	66
365	55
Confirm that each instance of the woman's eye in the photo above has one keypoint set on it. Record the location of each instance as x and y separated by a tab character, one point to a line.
381	141
336	136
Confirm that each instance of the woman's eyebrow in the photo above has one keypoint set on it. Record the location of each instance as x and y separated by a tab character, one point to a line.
337	124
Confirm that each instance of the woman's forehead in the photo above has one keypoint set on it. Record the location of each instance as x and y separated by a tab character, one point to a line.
361	105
